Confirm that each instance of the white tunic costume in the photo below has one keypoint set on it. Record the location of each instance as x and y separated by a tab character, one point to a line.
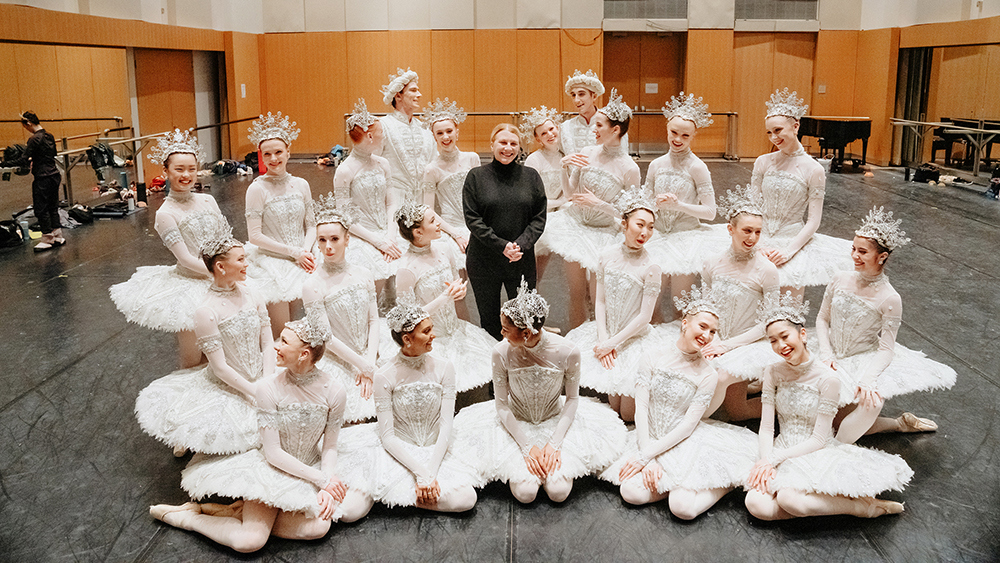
408	148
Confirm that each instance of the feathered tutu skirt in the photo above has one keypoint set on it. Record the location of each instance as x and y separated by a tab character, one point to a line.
910	370
358	408
362	253
684	252
364	465
160	297
568	237
470	350
715	455
249	476
842	469
595	439
194	409
276	279
619	380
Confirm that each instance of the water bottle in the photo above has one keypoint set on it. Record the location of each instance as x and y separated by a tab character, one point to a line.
23	223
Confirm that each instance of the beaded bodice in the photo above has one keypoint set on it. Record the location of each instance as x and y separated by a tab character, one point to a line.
797	405
854	324
604	185
449	193
368	190
416	412
407	148
785	201
552	180
347	309
535	392
283	219
622	297
679	183
738	304
671	394
428	287
300	427
239	336
195	228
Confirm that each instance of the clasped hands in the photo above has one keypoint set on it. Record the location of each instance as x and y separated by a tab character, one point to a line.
306	261
761	475
542	462
330	496
389	250
456	289
651	472
605	354
513	252
427	495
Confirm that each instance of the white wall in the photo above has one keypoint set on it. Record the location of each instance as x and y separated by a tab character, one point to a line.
902	13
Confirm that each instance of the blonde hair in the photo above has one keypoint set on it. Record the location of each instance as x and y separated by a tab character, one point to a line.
510	128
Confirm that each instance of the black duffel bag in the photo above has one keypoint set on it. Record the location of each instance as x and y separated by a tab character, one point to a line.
926	173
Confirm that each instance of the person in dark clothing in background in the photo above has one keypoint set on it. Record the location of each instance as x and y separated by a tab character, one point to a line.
504	205
41	151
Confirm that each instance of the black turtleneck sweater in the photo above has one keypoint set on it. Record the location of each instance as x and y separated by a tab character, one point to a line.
503	203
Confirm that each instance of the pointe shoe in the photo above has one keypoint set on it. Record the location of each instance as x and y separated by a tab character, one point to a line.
878	507
179	451
160	511
910	422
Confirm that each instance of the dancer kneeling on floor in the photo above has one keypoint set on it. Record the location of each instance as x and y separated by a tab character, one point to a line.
287	487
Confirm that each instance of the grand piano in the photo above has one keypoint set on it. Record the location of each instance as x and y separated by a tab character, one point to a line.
835	133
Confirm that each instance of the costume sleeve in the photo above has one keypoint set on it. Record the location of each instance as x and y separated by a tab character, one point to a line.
446	420
769	286
829	395
706	208
823	323
166	227
702	397
309	219
501	390
386	428
533	183
254	212
642	382
473	209
206	328
568	414
337	400
765	435
650	295
892	315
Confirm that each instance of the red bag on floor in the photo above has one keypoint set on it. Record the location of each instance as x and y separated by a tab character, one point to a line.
156	184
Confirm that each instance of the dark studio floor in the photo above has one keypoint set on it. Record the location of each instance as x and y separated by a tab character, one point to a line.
77	475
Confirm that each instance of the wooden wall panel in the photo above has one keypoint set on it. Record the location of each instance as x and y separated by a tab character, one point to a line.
452	64
412	49
73	72
538	68
495	73
623	71
661	61
835	68
875	88
753	58
991	101
961	82
165	99
968	32
10	97
581	49
708	74
243	67
368	67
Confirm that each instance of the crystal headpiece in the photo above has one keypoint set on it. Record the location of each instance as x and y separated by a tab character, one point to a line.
534	118
328	212
441	110
411	213
272	127
880	226
786	103
782	307
404	317
698	300
221	242
616	110
689	108
635	197
311	335
743	199
360	117
396	84
174	142
526	308
589	80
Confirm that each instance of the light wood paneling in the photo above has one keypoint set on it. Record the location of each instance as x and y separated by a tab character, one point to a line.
412	49
165	99
623	71
969	32
538	68
661	61
495	73
708	74
753	65
243	67
452	61
835	69
581	49
368	67
961	86
875	88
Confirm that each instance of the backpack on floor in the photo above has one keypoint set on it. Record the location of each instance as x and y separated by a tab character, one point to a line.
16	156
10	234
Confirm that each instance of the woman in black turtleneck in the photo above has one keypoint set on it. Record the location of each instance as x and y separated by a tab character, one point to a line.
505	212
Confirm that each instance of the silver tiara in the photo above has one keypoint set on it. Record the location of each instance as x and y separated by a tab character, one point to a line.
689	108
880	226
396	84
616	110
175	142
698	300
532	119
588	80
404	317
441	110
635	197
360	117
221	242
272	127
328	212
311	335
782	307
526	308
787	104
411	213
743	199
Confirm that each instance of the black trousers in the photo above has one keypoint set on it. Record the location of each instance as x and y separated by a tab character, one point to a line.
45	201
487	290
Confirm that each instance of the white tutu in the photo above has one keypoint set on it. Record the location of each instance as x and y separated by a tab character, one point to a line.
595	439
715	455
619	380
910	370
194	409
470	349
249	476
358	409
276	280
684	252
160	298
843	469
364	465
360	253
576	242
